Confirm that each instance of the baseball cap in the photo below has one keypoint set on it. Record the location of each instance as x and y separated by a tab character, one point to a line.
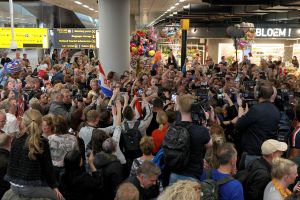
270	146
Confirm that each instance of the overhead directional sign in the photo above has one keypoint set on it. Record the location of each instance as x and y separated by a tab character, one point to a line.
25	37
75	38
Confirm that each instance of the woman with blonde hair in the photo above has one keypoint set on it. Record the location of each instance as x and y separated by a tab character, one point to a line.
217	134
146	146
284	173
182	190
159	134
30	170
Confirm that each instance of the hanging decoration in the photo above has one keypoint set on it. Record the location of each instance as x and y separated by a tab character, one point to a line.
170	35
243	33
11	69
142	45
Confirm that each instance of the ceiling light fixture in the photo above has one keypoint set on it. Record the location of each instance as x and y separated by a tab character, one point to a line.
176	4
78	2
172	7
181	1
85	6
96	11
174	13
91	9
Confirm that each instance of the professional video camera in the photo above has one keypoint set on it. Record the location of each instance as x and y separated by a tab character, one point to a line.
77	95
248	97
249	85
201	91
284	96
198	112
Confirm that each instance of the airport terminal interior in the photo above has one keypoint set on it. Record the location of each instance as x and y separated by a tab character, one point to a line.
149	99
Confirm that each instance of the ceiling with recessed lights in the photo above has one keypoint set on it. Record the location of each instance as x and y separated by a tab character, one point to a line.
160	12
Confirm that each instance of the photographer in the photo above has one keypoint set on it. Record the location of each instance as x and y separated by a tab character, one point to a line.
259	123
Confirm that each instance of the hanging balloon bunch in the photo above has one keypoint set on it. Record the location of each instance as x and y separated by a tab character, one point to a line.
143	42
11	69
170	34
243	33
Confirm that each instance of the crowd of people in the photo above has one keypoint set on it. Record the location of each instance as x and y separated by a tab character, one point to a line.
227	131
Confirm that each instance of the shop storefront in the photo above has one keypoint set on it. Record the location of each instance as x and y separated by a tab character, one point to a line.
275	41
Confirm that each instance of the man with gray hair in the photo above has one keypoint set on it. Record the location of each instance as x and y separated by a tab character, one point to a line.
146	180
5	141
57	105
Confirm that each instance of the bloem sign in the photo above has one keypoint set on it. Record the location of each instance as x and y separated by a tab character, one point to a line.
273	32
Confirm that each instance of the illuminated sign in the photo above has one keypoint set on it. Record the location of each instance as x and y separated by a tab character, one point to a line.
25	37
75	38
273	32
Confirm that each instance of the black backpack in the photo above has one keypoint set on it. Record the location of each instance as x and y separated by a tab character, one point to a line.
176	146
210	187
131	137
284	128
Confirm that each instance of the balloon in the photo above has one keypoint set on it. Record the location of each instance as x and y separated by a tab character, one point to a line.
157	56
235	32
141	51
134	49
151	53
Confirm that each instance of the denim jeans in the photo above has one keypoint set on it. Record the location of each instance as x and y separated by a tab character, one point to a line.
249	159
176	177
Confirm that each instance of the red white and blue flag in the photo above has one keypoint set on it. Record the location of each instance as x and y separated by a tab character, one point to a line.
103	83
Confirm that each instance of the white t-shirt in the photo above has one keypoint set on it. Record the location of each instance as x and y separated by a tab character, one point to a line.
271	193
60	145
11	126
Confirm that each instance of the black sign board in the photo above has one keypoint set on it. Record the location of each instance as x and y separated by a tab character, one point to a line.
74	38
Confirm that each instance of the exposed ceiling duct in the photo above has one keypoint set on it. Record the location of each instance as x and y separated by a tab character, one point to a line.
233	11
238	2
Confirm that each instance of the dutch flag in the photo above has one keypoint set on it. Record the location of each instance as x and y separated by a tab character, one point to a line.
103	83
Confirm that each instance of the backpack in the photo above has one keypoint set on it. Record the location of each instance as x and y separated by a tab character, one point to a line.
158	159
284	128
210	187
130	138
176	147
